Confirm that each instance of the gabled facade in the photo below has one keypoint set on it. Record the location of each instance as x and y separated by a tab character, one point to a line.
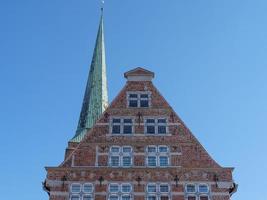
136	148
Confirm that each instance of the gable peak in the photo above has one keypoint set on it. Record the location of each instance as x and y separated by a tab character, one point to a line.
139	74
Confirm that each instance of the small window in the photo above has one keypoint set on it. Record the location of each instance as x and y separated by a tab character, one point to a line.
122	126
191	198
156	126
75	188
152	161
151	149
126	188
203	188
126	149
138	99
87	197
164	188
164	198
126	161
126	197
203	198
87	188
191	188
75	197
150	197
115	149
114	197
113	188
163	161
115	161
163	149
151	188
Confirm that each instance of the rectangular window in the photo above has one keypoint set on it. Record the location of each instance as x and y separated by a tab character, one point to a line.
122	126
115	161
152	197
163	161
126	188
164	198
152	161
191	188
192	198
203	189
126	197
87	197
113	188
75	197
164	188
155	126
120	191
114	197
151	188
138	99
126	161
87	188
75	188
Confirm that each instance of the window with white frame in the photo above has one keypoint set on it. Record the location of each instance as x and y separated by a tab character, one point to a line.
120	156
157	156
156	126
197	192
138	99
121	126
158	191
122	191
80	191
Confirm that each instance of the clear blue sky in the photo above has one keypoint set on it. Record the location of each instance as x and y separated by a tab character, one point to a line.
210	63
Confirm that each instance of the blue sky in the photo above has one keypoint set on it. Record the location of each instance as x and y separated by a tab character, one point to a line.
210	63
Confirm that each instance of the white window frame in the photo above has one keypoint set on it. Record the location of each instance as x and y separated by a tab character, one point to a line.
120	193
121	155
197	194
203	184
158	154
158	194
156	125
82	193
138	93
121	124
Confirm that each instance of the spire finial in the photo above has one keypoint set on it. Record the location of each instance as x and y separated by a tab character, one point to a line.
102	5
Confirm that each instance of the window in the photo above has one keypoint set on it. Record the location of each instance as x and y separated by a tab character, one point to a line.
157	156
81	191
120	191
197	192
158	191
155	126
138	99
120	156
122	126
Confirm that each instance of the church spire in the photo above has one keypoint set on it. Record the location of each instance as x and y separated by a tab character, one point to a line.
95	99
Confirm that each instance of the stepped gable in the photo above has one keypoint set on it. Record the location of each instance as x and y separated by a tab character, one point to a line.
180	139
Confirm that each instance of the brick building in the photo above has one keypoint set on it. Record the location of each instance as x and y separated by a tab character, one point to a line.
135	148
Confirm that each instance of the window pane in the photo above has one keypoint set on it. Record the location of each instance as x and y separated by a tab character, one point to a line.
126	149
151	188
115	149
114	188
115	161
151	149
133	96
133	103
127	121
144	103
88	188
76	188
163	161
192	198
75	197
144	96
162	129
126	161
116	120
203	189
127	129
151	198
204	198
87	197
161	120
150	129
126	197
163	149
164	188
164	198
191	188
116	129
152	161
113	197
150	121
126	188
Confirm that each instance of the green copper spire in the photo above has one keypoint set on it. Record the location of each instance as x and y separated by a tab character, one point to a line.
95	99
